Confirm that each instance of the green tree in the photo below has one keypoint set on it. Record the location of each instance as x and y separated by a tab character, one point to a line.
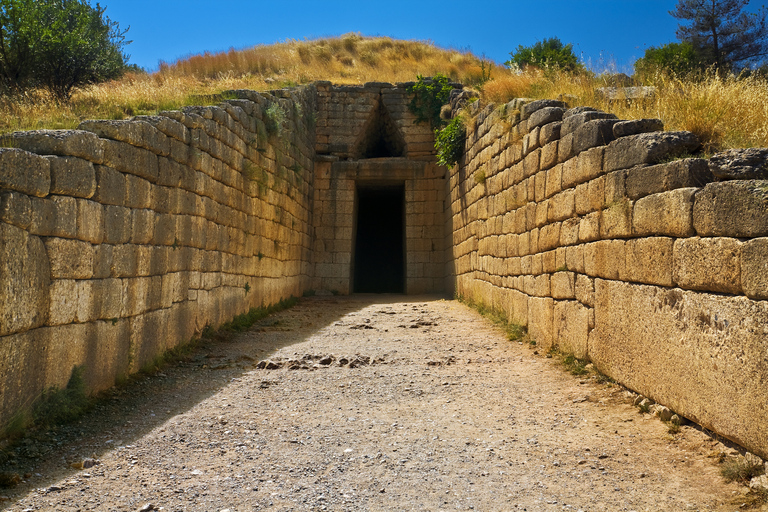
58	45
676	58
722	33
550	53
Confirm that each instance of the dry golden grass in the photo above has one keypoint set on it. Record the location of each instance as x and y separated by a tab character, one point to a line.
725	112
349	59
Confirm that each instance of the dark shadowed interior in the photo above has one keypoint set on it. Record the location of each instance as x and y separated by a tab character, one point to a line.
379	249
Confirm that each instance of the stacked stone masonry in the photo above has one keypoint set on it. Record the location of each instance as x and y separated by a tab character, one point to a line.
606	244
122	239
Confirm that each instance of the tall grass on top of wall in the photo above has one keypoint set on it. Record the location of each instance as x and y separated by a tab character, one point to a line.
349	59
725	112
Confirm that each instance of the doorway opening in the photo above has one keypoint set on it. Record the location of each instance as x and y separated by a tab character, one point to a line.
379	258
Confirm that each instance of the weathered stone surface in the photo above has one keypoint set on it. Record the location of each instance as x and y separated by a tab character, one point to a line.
573	119
72	176
685	173
82	144
648	148
117	224
648	260
24	279
616	220
69	259
529	108
571	326
130	159
16	209
563	285
624	128
544	116
740	164
24	172
540	318
668	213
585	290
754	268
22	366
132	131
732	208
710	264
549	133
703	361
604	258
598	132
110	186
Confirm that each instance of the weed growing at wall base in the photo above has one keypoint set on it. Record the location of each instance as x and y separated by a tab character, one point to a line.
514	332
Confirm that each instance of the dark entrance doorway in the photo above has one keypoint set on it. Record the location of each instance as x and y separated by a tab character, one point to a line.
379	259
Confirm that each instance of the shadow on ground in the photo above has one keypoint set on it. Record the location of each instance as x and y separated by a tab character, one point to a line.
125	413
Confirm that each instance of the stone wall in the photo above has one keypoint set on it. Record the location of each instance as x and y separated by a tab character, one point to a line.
591	233
122	239
367	136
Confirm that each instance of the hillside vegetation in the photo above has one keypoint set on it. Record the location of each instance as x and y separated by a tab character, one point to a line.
723	111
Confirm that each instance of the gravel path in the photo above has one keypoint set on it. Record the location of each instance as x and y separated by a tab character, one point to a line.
369	403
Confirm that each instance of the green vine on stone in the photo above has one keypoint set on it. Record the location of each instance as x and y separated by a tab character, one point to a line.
449	142
429	95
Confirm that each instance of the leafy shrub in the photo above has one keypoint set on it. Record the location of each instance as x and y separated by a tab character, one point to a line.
274	118
550	53
679	59
58	45
429	95
449	142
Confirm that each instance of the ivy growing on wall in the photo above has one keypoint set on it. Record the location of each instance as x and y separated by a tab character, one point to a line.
429	96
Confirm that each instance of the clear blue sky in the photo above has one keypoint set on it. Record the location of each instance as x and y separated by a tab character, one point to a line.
603	32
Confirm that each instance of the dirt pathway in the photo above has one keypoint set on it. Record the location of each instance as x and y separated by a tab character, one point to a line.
377	403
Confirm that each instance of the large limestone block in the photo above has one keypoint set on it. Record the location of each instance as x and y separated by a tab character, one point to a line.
701	355
15	208
648	148
22	370
110	186
527	110
117	224
563	285
616	220
132	131
24	172
585	290
571	326
576	117
605	258
65	349
685	173
540	322
69	259
589	227
666	213
598	132
107	301
72	176
90	221
25	276
711	264
740	164
544	116
76	143
70	301
754	268
732	208
131	159
107	356
649	261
